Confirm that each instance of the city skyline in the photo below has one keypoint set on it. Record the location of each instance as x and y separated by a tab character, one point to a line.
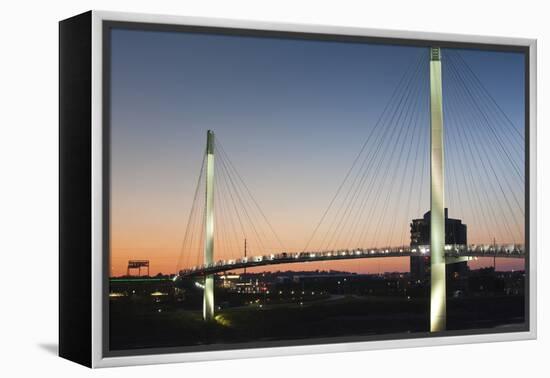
291	114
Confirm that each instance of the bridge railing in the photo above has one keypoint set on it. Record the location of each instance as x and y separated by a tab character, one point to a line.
478	250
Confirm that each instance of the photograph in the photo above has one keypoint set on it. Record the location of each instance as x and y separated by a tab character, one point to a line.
269	189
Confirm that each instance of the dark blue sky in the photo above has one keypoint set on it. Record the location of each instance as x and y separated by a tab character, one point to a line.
292	115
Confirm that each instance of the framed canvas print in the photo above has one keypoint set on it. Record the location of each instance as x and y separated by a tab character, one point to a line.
232	189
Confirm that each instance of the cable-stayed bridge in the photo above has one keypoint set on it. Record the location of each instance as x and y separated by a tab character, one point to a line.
408	162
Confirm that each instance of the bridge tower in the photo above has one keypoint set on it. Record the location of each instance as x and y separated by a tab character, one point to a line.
208	302
438	310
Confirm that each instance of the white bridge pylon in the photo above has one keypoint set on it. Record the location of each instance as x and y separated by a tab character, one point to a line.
208	302
438	299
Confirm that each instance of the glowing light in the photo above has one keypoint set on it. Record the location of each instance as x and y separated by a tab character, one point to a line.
199	285
222	320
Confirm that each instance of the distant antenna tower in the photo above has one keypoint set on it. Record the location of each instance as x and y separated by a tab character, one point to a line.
495	255
244	255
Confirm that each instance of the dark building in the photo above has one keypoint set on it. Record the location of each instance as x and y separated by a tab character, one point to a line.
455	233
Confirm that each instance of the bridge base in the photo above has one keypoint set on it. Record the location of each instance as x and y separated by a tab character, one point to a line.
208	304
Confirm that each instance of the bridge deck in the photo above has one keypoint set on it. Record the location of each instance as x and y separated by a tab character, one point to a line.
508	251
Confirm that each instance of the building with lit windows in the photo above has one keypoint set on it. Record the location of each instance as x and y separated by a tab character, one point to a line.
455	233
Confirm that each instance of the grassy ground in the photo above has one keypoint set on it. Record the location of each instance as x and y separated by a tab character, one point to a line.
139	325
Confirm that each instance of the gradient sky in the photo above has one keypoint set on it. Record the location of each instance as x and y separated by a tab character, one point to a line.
291	114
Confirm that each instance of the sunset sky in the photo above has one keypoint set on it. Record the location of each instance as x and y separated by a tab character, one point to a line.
292	116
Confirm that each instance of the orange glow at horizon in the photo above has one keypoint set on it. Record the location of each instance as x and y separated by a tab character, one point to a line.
151	228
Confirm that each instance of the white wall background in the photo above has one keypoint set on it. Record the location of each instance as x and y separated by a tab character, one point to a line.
28	186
